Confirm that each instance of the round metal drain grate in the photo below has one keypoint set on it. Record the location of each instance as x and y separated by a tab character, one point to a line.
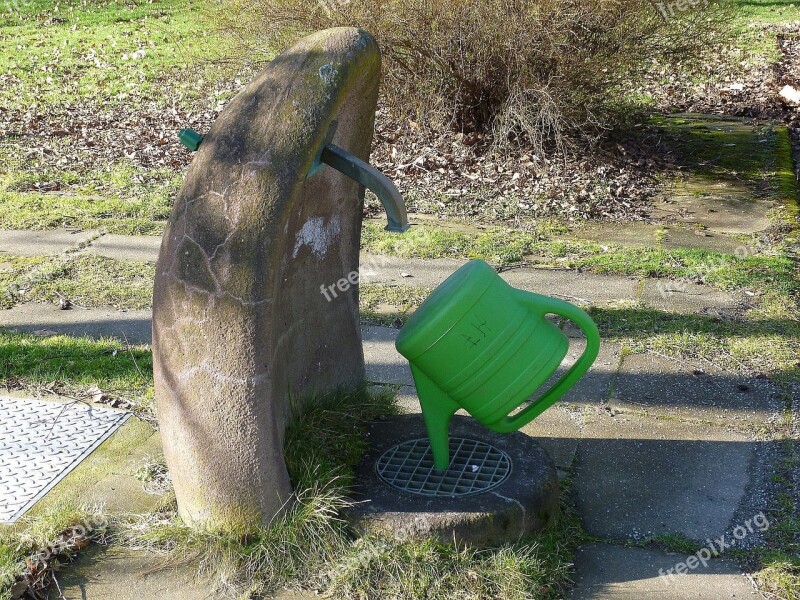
475	467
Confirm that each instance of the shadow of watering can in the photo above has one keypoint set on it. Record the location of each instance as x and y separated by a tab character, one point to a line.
479	344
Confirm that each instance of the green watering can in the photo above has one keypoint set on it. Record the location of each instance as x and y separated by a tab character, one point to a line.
479	344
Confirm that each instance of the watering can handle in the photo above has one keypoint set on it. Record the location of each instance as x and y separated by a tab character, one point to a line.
544	305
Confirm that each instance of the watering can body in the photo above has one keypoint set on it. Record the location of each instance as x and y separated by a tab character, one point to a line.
479	344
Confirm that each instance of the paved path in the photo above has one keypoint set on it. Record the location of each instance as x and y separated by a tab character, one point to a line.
654	446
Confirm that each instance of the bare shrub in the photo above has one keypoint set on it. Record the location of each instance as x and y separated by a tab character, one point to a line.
534	72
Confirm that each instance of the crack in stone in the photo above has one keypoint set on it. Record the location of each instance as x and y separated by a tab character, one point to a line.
518	503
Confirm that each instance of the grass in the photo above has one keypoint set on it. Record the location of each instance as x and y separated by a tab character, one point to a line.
89	89
73	366
674	542
323	444
388	304
767	343
86	280
537	567
776	566
33	535
123	199
59	53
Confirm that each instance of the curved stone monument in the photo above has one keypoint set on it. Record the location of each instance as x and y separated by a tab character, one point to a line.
240	327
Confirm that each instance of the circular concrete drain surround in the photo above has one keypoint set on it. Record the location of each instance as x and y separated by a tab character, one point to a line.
475	467
523	502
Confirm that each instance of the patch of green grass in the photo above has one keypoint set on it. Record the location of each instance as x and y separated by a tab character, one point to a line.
537	567
779	562
780	574
389	304
725	271
766	11
767	341
146	214
119	197
501	247
55	53
323	443
762	345
71	366
496	245
675	542
86	280
38	534
754	24
12	269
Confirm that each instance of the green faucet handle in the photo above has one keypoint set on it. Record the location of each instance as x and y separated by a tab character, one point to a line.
190	138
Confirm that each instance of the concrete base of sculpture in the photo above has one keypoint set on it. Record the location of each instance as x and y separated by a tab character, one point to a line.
524	503
240	327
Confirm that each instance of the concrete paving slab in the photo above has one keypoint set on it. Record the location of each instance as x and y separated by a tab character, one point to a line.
725	210
638	476
560	427
384	363
611	572
42	243
571	285
121	574
661	386
142	248
574	286
116	573
594	387
121	491
382	269
581	288
558	430
687	298
47	319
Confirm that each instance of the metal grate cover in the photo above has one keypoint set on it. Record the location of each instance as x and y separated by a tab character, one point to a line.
41	442
475	467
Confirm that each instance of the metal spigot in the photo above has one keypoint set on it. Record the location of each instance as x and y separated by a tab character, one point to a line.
368	176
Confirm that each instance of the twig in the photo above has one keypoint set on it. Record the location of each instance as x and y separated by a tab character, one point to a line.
519	265
575	298
58	416
133	358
